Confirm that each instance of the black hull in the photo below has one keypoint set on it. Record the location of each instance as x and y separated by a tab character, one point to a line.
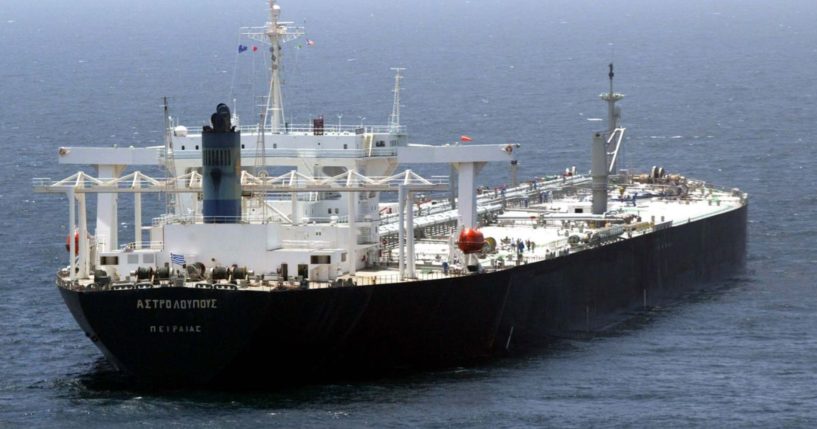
251	337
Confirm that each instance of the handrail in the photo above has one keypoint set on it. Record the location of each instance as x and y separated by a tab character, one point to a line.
150	245
308	129
301	153
169	219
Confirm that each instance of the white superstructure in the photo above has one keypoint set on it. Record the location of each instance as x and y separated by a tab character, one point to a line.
323	219
298	217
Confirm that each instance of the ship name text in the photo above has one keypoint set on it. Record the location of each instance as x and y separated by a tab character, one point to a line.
176	304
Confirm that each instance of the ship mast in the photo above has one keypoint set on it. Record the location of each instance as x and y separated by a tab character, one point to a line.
394	118
611	98
615	133
274	34
170	164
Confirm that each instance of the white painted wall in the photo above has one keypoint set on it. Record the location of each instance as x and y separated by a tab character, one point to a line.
261	248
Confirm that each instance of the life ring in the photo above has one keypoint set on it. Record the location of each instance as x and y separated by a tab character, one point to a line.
508	148
76	243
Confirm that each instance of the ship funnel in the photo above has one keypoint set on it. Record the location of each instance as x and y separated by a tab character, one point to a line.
599	173
221	169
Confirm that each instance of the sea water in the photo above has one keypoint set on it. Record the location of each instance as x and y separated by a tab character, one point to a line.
722	91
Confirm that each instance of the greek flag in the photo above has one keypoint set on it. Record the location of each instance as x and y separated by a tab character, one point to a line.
177	259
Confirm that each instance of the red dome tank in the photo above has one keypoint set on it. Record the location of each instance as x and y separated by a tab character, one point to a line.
471	241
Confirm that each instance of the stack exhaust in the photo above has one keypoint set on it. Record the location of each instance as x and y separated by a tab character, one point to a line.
221	169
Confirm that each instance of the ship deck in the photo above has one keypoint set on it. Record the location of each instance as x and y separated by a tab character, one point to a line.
547	230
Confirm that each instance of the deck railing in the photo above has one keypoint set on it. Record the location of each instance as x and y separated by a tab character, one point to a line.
144	245
328	128
270	217
301	153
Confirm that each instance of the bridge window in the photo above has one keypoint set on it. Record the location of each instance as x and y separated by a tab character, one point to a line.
320	259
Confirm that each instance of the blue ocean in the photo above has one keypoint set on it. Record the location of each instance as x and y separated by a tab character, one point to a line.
724	91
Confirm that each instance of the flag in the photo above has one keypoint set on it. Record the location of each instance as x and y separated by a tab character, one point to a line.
177	259
465	139
310	42
254	48
241	48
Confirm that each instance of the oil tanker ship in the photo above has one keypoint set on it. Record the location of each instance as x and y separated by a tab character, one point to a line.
252	277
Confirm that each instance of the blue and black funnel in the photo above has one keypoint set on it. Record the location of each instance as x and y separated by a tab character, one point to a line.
221	169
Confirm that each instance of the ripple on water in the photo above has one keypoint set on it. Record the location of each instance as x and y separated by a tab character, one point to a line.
740	355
